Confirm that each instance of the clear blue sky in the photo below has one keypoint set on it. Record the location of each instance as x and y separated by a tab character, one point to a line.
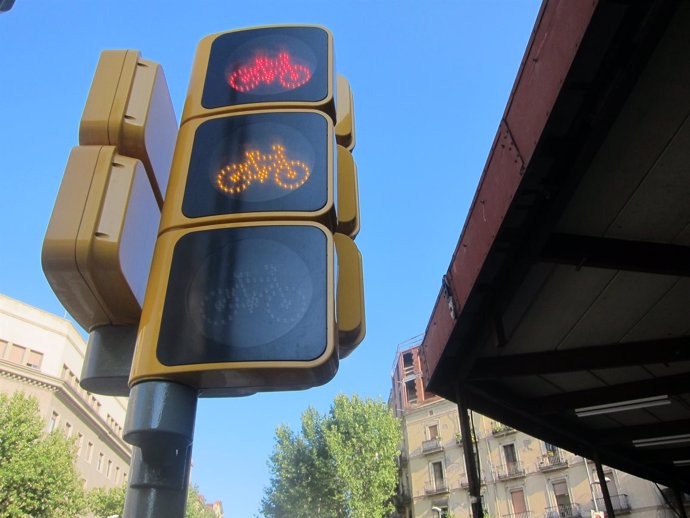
430	81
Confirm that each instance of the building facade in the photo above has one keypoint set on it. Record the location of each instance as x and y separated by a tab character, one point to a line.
42	355
521	476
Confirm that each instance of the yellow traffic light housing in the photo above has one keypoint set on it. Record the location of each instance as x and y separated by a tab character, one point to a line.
345	109
129	107
243	294
241	306
252	166
268	68
99	244
98	247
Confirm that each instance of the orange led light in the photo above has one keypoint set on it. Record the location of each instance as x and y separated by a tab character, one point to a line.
264	70
258	167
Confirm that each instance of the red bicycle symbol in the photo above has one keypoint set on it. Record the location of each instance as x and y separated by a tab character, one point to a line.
265	70
287	174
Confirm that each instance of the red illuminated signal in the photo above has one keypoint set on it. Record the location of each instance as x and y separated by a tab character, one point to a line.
264	70
287	174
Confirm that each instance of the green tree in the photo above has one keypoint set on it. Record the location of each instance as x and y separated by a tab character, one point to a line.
37	473
108	502
341	465
196	506
104	502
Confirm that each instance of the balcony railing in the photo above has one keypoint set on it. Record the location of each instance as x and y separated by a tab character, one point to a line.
458	439
524	514
432	445
619	502
564	511
501	429
552	462
512	470
465	482
434	488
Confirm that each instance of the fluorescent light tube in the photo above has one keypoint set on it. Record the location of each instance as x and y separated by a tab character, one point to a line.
622	406
662	441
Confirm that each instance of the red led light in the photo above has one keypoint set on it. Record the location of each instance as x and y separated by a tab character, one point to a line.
265	70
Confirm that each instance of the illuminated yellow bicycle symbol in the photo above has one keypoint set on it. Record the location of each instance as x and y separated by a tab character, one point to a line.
258	167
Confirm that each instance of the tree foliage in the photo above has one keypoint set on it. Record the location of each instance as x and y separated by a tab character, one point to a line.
196	506
104	502
340	465
37	473
108	502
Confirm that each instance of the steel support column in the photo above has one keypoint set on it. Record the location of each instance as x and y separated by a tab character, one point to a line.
471	466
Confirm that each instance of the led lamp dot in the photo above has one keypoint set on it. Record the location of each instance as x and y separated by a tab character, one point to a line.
264	70
287	174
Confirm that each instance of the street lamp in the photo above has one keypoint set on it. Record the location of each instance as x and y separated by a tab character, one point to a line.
438	510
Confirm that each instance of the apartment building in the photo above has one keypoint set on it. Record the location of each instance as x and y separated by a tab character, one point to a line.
42	355
521	476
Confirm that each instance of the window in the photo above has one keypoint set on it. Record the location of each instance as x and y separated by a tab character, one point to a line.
17	353
408	366
616	498
99	466
432	431
411	391
89	452
34	360
109	469
437	475
560	492
68	429
3	348
511	459
517	498
551	450
117	474
52	424
80	443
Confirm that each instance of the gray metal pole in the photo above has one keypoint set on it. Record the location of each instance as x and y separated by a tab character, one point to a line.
678	494
160	426
470	459
604	488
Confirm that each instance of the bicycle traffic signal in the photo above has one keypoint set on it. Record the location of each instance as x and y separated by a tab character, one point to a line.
242	293
262	68
252	166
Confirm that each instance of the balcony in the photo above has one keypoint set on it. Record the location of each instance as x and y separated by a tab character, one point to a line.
512	470
499	429
435	488
564	511
619	502
432	445
524	514
458	439
552	463
465	482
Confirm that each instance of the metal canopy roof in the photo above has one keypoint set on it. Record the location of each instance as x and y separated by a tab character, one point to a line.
566	308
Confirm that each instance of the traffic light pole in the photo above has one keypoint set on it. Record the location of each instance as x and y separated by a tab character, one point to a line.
160	426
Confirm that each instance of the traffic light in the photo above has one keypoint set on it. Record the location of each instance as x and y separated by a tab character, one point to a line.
262	68
253	166
99	244
256	282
